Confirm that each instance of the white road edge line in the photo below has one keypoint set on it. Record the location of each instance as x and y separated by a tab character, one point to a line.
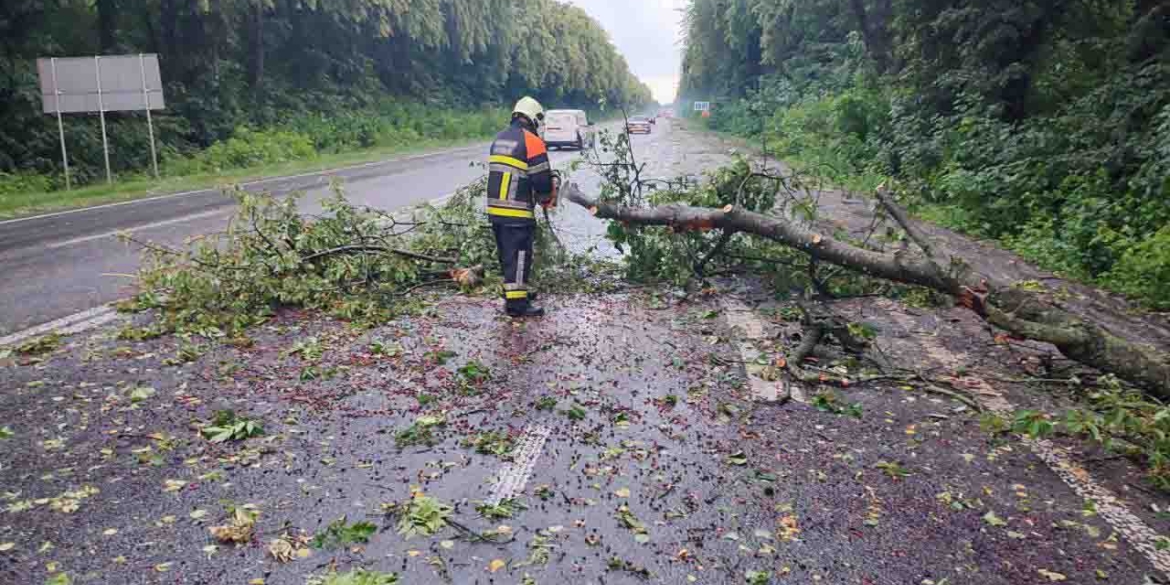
321	173
1109	507
69	325
513	476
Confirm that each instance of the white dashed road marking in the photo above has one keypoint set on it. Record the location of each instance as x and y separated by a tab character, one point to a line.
157	224
751	329
514	476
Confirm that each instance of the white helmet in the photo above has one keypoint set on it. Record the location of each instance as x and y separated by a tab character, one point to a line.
531	109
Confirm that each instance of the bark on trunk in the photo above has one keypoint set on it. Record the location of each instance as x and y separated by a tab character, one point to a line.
873	32
256	45
107	25
169	15
215	33
1023	313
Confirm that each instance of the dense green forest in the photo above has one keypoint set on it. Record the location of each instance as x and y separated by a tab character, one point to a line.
1042	123
286	78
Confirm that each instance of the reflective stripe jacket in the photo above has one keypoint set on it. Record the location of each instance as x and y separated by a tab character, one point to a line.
520	176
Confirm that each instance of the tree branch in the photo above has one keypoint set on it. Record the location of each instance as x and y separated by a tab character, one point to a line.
900	216
1023	313
382	249
911	270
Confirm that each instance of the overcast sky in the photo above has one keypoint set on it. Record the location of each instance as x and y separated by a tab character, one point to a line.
649	34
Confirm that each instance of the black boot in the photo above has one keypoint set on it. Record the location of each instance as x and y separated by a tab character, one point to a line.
525	311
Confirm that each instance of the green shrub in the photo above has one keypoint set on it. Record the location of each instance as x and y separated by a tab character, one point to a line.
1056	188
1144	271
331	128
19	183
1040	241
839	134
246	148
394	124
337	133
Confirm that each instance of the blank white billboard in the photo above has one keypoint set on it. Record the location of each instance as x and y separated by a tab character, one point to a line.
89	84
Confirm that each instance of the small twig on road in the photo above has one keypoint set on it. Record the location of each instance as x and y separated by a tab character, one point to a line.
669	489
1104	458
932	387
381	487
471	412
474	536
1065	381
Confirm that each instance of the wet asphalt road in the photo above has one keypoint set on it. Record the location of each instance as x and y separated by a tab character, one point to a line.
650	460
59	264
668	473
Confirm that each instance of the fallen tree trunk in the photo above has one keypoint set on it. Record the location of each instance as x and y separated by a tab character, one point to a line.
1025	314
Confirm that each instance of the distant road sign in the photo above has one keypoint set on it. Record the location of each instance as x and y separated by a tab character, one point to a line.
702	106
117	83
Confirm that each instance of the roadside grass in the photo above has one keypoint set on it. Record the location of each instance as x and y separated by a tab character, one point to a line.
140	186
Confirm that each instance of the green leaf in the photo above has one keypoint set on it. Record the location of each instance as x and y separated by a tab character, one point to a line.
141	394
993	520
421	514
737	458
339	534
361	577
758	577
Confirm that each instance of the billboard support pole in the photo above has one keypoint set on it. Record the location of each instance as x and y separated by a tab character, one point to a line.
60	125
149	122
97	66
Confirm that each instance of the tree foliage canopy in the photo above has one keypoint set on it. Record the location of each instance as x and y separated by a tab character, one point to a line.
227	63
1044	123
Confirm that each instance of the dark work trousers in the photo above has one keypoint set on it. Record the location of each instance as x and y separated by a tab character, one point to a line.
514	244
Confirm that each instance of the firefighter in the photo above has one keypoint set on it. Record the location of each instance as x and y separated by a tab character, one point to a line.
520	179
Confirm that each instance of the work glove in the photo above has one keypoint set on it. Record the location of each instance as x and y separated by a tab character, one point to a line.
551	202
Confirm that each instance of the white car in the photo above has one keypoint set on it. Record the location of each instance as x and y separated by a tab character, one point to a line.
639	125
569	128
